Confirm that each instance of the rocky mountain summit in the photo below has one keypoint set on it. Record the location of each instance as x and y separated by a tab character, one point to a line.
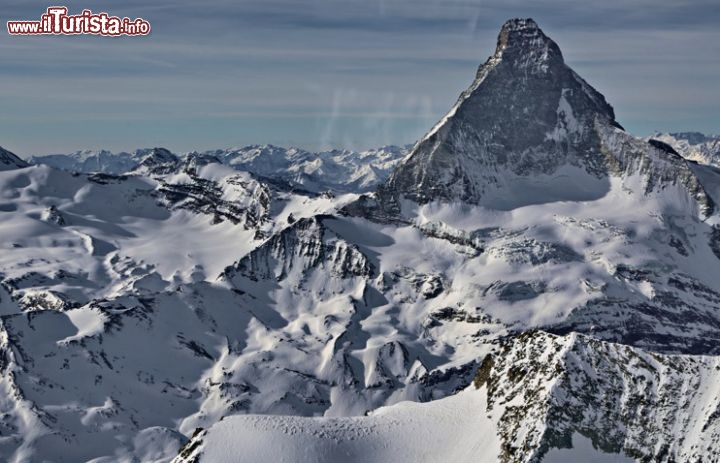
532	283
528	130
525	117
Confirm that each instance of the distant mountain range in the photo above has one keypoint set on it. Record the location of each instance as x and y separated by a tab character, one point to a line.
694	146
336	170
539	282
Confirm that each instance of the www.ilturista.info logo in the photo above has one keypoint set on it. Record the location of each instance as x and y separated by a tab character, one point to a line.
57	21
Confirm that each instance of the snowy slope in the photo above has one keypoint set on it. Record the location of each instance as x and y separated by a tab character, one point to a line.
250	310
336	170
537	398
113	274
454	428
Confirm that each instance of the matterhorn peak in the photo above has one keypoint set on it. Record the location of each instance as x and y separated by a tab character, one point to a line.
527	119
528	130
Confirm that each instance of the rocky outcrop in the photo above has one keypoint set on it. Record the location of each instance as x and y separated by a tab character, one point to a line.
156	161
9	161
543	389
205	196
304	246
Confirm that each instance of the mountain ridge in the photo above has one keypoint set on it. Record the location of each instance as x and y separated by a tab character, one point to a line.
338	171
9	160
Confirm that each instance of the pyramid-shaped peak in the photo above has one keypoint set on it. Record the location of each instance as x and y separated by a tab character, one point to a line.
527	131
526	116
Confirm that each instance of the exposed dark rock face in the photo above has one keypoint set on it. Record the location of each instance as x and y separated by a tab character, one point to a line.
157	161
194	161
205	196
9	161
663	146
304	247
545	389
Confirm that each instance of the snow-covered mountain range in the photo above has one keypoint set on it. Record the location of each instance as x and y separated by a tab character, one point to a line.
334	171
537	282
694	146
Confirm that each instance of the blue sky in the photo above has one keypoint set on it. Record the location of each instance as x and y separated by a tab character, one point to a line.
332	73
